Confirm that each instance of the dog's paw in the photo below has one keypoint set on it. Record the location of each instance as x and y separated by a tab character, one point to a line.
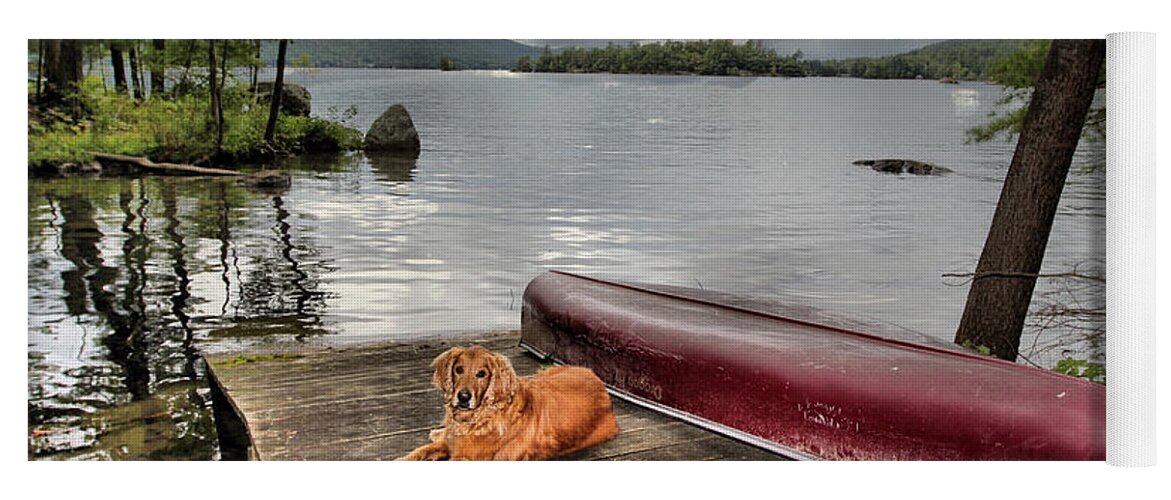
429	453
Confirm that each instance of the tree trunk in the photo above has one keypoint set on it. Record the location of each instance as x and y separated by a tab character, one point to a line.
217	110
135	76
158	67
255	69
119	66
63	73
277	91
998	301
224	66
41	68
184	84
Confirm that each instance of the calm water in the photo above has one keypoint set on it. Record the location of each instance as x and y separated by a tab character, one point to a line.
734	184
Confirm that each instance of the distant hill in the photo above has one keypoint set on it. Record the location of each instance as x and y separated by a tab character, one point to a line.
415	54
954	59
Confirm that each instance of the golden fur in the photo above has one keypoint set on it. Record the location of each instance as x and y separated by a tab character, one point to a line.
505	417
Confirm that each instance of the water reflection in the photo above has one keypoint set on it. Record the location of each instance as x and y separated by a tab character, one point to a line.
393	167
146	269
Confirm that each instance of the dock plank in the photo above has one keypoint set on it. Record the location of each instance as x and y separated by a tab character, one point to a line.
377	403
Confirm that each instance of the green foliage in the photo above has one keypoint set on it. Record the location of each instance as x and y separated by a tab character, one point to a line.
523	65
179	129
710	57
1018	72
952	59
1009	124
1089	370
1020	69
982	349
303	61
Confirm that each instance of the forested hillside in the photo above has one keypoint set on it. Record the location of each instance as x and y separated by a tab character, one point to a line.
954	59
417	54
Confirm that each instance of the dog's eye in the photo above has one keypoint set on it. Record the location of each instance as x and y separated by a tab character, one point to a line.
481	373
459	370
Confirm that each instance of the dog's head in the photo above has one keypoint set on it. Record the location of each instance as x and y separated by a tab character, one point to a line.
474	377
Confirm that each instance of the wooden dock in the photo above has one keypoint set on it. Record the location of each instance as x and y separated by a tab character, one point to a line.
377	403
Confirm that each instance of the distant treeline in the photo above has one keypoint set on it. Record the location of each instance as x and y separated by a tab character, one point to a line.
407	54
709	57
953	59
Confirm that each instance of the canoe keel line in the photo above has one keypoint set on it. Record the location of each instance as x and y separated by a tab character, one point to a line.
804	386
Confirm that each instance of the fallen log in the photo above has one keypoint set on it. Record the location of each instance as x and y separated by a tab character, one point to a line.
122	164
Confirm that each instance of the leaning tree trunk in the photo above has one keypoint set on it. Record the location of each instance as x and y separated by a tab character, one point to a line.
158	67
135	76
1002	287
277	91
119	64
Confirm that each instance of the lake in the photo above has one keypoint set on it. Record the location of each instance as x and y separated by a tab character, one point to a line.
743	185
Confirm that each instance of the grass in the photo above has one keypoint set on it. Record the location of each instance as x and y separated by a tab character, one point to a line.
178	129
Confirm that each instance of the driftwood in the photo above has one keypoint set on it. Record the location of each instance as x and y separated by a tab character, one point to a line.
123	163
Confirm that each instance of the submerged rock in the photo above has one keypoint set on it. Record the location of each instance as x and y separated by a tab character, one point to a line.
393	131
896	166
295	99
266	179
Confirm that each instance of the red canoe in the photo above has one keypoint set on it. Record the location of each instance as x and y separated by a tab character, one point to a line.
806	383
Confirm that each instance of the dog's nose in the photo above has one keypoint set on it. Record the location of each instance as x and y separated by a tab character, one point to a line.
464	395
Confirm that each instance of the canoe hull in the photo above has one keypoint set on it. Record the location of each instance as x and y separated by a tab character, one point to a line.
807	384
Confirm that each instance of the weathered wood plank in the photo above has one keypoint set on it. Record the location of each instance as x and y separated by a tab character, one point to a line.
377	403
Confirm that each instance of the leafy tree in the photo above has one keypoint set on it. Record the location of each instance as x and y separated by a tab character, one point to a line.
1017	72
304	62
523	65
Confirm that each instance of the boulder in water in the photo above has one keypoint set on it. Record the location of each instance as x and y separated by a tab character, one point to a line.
295	99
393	131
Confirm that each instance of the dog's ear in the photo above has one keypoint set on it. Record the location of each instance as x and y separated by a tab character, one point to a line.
504	382
442	366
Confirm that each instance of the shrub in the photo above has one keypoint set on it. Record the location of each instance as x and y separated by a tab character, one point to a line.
178	129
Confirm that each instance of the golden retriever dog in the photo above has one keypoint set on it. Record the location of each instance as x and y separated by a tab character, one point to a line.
493	414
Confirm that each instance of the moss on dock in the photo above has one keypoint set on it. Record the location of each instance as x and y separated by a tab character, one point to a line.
243	360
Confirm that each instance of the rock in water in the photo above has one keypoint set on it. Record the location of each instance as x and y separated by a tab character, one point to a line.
266	179
295	99
393	131
894	166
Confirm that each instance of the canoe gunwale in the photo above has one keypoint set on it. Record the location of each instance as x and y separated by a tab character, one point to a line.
770	315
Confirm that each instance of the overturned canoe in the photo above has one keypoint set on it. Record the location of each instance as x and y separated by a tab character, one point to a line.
807	383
